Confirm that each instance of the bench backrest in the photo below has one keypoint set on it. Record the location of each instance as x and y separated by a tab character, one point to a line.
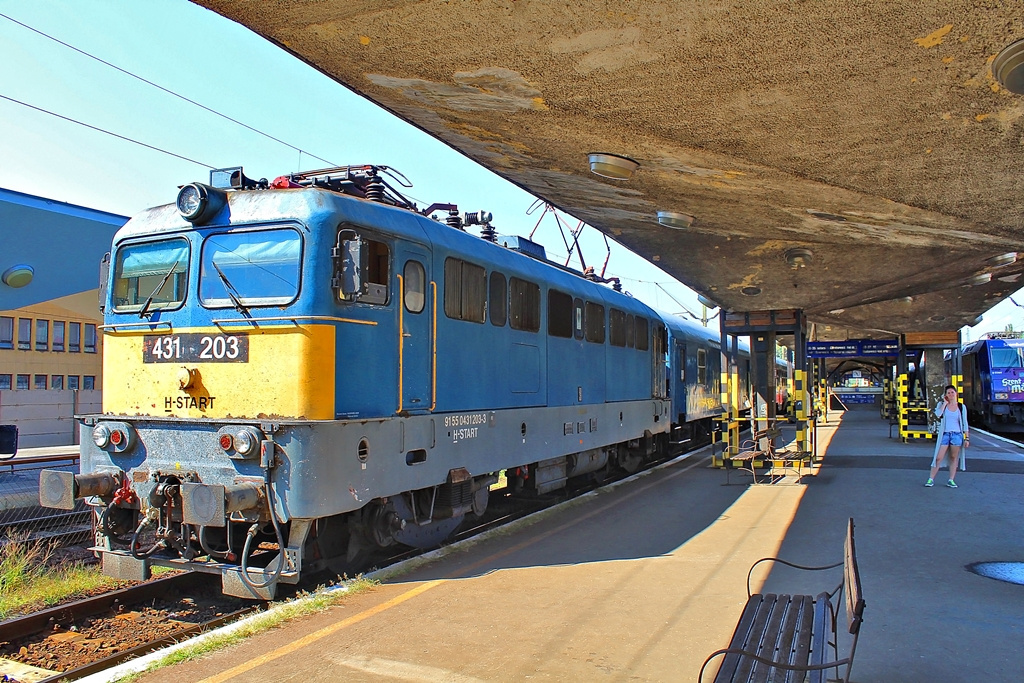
851	584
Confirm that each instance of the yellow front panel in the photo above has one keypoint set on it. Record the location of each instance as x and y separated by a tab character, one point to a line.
289	374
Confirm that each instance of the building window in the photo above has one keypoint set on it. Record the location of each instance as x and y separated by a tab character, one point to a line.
72	381
22	382
559	314
58	336
42	335
524	305
57	382
25	334
89	382
74	337
90	338
5	381
39	382
6	332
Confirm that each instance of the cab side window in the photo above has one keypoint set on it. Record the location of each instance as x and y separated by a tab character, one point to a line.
362	267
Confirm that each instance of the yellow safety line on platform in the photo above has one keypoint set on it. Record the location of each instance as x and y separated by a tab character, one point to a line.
322	633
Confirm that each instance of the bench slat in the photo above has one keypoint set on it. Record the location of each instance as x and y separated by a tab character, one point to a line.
727	671
768	640
803	645
819	639
795	638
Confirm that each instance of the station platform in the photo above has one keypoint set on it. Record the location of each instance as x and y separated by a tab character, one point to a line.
643	581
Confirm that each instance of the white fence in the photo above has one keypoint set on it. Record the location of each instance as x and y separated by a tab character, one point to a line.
46	417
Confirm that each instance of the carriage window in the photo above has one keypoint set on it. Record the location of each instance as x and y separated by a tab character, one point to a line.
577	318
465	290
524	305
151	275
559	314
499	299
415	286
702	366
642	343
255	268
617	327
593	321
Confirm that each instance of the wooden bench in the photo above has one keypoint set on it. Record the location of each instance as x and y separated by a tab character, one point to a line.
760	451
789	637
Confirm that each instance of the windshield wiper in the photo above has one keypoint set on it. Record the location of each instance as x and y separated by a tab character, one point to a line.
149	301
232	292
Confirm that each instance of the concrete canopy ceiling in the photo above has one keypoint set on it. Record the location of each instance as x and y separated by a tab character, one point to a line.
872	134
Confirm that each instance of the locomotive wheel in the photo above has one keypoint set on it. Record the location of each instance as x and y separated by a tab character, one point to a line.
340	546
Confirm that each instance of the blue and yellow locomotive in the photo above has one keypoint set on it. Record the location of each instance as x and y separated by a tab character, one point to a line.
299	372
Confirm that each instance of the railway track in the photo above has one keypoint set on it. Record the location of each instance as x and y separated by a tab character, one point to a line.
75	640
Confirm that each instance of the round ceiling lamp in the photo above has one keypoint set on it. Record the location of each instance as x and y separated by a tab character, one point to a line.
1008	67
612	166
17	276
799	257
679	221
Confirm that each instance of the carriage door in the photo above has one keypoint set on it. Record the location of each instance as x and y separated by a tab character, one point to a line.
416	342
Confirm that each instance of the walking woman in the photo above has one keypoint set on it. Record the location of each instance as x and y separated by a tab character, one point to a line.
952	435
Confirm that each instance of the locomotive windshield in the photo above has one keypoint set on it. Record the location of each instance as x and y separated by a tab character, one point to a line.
1008	357
150	276
250	268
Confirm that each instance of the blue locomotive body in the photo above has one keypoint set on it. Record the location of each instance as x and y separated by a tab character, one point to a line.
993	387
318	364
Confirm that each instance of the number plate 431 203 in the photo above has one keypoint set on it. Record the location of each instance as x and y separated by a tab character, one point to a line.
195	348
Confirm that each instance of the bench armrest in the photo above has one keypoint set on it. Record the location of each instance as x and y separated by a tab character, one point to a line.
769	662
795	566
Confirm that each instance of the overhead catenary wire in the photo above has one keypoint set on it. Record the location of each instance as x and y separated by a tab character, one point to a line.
103	130
168	91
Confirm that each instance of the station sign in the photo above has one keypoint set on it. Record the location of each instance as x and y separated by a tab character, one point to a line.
852	348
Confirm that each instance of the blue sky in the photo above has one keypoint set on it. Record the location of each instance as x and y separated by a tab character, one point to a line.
227	68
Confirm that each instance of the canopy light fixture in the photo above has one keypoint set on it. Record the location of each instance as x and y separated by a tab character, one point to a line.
1008	67
1003	259
750	291
704	301
799	257
679	221
980	279
17	276
937	318
612	166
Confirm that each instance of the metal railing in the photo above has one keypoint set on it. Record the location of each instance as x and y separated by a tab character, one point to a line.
22	519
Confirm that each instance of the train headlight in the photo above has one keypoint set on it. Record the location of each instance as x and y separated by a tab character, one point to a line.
114	436
197	203
239	441
244	442
101	435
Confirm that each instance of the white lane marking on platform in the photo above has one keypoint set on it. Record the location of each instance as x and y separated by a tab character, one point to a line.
401	671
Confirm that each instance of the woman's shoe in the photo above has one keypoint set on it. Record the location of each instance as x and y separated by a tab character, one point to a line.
951	484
